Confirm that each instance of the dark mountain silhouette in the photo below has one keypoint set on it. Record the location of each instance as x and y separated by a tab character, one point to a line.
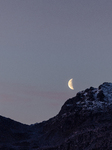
83	123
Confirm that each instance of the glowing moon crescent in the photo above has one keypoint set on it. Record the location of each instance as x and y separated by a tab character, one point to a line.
70	84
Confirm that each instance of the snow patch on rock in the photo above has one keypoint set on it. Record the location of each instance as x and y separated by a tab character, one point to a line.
96	98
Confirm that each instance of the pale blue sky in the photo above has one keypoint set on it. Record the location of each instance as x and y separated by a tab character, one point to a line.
44	43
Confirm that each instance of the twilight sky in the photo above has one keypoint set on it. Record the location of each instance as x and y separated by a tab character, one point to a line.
44	43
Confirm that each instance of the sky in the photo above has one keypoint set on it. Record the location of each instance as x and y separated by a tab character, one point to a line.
43	44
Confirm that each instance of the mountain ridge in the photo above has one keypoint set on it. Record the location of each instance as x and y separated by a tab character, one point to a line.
83	123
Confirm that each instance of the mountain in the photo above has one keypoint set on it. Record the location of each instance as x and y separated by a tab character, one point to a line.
83	123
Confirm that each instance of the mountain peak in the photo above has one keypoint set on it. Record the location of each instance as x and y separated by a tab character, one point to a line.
94	99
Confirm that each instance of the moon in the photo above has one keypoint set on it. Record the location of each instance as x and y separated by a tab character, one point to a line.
70	84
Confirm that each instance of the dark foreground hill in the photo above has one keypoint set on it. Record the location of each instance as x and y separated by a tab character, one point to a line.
83	123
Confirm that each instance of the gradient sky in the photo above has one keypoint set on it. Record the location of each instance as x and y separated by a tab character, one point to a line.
44	43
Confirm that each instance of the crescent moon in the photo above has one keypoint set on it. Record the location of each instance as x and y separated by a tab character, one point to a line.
70	84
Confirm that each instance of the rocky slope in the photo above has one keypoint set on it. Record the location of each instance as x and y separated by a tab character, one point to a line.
83	123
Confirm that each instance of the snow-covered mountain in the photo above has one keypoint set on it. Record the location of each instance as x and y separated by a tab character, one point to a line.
92	99
83	123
